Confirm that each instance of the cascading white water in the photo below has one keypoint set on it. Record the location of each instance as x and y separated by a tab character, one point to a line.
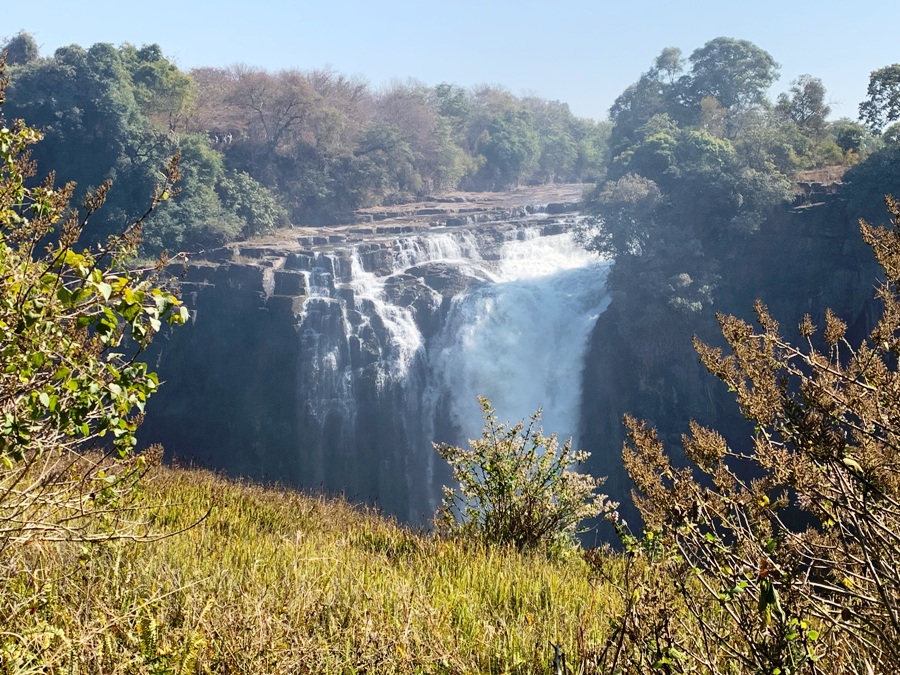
385	367
520	341
460	246
405	338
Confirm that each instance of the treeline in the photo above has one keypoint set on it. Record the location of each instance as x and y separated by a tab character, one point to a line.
699	156
261	149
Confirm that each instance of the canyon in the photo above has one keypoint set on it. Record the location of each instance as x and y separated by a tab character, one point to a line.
331	358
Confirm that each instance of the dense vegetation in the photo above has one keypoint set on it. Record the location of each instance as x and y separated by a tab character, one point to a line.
72	323
261	149
790	534
698	159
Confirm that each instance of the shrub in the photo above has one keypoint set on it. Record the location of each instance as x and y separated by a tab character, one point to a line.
797	570
71	324
517	487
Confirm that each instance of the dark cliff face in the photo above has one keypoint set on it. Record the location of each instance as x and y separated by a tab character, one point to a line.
641	360
202	406
288	373
257	384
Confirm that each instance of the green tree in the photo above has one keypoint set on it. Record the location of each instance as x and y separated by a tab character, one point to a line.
804	104
83	103
736	73
257	206
882	104
21	49
628	209
517	487
510	148
163	93
555	127
852	136
196	218
592	139
634	107
71	325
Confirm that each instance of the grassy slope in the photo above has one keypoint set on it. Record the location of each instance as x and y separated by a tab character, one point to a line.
275	582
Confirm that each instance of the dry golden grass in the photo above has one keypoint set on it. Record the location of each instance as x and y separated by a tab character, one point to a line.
276	582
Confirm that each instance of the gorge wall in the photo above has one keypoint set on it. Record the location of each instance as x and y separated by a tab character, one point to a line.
641	359
333	359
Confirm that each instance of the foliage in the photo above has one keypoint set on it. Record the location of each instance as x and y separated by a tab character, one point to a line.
257	206
803	558
318	144
510	149
21	48
163	93
805	104
517	487
627	208
882	104
720	160
71	324
736	73
83	103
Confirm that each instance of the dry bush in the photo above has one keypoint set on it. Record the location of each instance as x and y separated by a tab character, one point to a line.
797	570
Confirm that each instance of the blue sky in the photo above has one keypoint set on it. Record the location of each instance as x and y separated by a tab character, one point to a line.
582	52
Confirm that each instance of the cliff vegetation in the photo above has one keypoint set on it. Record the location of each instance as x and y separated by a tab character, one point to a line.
260	150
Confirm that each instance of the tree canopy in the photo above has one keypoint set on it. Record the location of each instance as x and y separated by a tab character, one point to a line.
304	147
882	104
722	156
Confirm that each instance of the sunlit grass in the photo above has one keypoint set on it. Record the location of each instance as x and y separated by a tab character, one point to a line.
276	582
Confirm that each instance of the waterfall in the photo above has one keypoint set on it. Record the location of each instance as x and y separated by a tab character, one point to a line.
398	337
520	340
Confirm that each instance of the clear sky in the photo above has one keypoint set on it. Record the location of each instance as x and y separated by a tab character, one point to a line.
582	52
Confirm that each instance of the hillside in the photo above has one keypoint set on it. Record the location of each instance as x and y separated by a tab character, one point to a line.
272	581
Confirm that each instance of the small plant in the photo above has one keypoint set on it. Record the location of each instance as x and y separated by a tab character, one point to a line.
517	487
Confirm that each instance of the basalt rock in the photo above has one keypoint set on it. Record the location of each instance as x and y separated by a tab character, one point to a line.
641	360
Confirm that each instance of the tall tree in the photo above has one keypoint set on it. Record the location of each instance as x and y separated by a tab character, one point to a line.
21	49
882	104
510	149
736	72
163	92
83	101
804	104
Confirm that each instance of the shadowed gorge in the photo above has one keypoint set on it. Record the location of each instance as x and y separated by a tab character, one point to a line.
366	350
